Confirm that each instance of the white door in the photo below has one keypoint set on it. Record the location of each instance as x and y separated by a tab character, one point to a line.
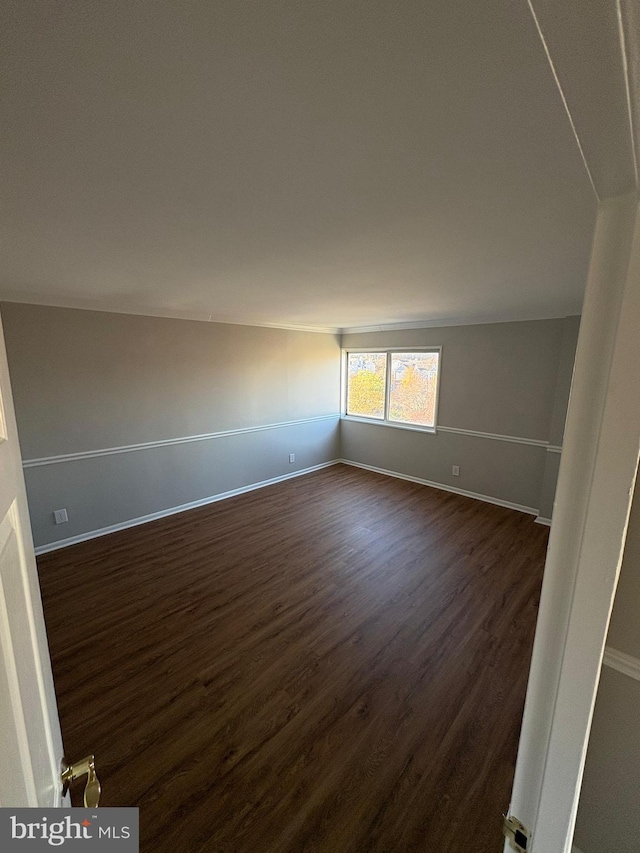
30	740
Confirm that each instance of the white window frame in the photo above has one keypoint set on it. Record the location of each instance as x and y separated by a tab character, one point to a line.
346	351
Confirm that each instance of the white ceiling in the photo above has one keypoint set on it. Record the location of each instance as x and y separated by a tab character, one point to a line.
583	38
331	164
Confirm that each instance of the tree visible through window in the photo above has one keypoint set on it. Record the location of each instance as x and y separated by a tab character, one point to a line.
366	384
397	386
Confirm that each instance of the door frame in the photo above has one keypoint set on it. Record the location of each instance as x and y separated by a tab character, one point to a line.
593	499
30	738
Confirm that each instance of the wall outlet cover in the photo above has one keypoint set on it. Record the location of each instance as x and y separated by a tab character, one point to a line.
60	516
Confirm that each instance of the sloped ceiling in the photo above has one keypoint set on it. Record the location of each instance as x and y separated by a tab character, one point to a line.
308	164
630	21
584	39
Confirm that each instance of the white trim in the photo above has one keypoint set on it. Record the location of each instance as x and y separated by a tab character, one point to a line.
622	662
373	349
486	498
11	672
146	445
542	520
597	475
629	87
375	422
143	519
563	98
534	442
80	304
457	321
130	448
390	351
515	439
554	448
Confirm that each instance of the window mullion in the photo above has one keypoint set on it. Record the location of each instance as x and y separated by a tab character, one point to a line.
387	388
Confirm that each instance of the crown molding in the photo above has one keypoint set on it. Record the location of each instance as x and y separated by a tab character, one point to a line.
153	311
457	321
116	307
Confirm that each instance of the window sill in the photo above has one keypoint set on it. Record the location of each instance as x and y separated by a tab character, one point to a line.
375	422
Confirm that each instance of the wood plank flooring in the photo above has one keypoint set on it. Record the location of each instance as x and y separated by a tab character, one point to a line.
334	664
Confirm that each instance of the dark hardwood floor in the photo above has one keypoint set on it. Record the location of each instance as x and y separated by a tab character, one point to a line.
336	664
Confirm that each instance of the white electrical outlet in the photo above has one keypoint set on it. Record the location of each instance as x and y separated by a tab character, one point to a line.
292	457
60	516
455	470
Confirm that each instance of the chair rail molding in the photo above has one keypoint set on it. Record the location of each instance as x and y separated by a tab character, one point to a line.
167	442
622	662
56	459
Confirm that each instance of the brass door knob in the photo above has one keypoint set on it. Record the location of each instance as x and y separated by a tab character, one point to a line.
86	767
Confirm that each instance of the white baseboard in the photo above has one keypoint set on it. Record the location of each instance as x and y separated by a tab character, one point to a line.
486	498
542	520
143	519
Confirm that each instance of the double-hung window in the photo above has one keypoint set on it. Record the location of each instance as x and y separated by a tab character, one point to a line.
396	387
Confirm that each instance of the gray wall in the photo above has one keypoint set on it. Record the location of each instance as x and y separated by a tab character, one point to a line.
609	810
510	379
570	330
624	631
86	380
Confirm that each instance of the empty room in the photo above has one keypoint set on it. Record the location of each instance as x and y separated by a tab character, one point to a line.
319	425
